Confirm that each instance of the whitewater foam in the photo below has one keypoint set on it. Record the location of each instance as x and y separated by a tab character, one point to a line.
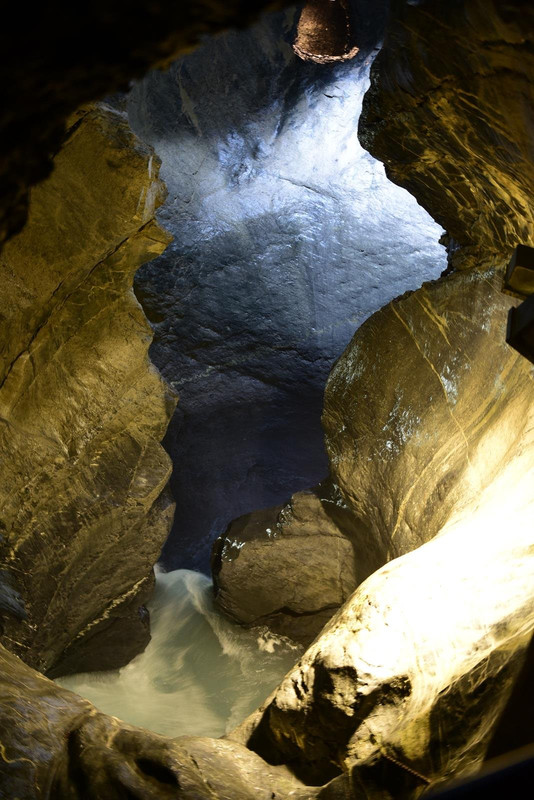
201	675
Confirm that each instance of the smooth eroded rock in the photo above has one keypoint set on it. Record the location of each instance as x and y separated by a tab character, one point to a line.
54	744
288	568
422	412
82	411
449	114
415	668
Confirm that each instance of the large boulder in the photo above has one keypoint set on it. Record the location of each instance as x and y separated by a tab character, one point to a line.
83	509
288	568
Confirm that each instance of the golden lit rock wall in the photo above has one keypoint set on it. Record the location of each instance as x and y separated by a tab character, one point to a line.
82	410
425	407
449	112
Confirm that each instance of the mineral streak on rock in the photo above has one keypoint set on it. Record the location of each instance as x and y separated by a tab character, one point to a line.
449	114
82	411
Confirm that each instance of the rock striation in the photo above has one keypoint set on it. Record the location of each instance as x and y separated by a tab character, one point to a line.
82	411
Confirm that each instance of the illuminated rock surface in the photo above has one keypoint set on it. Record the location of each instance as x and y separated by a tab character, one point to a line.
422	411
416	666
67	749
82	410
412	671
453	123
64	56
287	236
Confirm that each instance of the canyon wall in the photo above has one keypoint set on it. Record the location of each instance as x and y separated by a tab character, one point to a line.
62	56
436	460
83	508
418	410
405	683
449	114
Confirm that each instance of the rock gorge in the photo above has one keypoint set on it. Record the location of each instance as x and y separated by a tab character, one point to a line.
421	533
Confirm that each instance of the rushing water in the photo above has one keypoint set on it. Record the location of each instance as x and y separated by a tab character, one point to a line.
201	675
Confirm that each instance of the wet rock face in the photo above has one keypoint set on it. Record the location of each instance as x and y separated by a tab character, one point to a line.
83	513
63	57
422	412
415	668
449	113
449	415
315	567
412	672
287	235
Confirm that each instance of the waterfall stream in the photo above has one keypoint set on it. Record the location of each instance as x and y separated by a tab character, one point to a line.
201	675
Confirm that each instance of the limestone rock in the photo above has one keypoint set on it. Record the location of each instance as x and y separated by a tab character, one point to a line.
82	411
54	743
448	113
287	236
288	568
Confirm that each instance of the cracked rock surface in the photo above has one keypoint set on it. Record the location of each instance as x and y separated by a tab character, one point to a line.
82	411
287	235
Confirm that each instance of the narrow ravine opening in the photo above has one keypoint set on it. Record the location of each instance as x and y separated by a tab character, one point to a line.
287	237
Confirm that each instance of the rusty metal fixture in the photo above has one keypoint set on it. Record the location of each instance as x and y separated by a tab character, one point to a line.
325	33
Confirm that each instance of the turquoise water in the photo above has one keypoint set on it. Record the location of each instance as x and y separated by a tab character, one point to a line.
201	675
